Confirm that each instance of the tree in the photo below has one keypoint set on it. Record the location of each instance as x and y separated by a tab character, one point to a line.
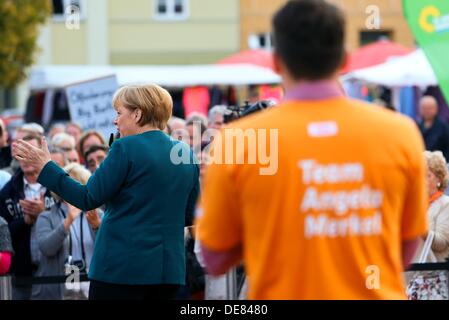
19	29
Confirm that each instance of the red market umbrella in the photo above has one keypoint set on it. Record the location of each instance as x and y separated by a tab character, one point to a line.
374	54
261	58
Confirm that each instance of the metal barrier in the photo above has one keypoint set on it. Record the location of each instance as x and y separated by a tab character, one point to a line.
231	285
5	288
427	281
7	282
232	290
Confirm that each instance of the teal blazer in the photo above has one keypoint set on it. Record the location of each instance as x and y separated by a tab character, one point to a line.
149	199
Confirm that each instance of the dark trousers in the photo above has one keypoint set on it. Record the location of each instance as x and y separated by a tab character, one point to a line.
108	291
21	292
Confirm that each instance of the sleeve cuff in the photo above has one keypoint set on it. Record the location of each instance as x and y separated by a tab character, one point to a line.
48	174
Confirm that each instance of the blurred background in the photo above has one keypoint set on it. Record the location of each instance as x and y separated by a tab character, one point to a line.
206	52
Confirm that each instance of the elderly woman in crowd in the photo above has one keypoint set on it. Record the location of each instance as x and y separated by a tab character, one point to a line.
438	212
63	141
65	235
66	143
150	197
216	117
177	126
5	247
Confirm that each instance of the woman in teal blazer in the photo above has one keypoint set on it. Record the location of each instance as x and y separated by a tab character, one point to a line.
149	197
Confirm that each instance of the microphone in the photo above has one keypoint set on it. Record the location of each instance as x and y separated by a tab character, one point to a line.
112	138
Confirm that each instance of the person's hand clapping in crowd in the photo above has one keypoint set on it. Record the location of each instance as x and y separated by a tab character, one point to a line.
93	219
32	209
72	214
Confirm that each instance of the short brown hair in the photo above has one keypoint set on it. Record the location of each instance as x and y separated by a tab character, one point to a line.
155	103
86	135
95	149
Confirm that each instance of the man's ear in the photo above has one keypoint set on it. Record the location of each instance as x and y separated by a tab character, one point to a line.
277	64
345	61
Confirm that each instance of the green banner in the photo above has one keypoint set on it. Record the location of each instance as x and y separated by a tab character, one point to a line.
429	21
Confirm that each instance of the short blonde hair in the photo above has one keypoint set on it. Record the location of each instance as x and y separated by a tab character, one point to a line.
78	172
437	164
155	103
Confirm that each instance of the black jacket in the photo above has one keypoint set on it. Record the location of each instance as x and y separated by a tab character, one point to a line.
436	137
5	157
11	211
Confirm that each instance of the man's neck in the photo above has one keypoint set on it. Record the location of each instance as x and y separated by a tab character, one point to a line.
314	90
290	83
31	178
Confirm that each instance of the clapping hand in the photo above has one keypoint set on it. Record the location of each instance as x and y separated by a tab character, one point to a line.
32	209
93	218
72	214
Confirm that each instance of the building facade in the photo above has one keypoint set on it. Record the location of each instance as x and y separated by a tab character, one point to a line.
191	31
140	32
367	21
167	32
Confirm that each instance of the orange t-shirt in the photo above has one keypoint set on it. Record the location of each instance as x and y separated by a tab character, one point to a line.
325	218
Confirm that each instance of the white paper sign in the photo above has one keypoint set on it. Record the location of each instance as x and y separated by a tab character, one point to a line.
90	104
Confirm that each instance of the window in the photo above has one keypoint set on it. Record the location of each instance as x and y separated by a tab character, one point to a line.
171	9
367	37
58	7
260	41
62	8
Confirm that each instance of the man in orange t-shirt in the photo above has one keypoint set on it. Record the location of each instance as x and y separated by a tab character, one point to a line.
323	197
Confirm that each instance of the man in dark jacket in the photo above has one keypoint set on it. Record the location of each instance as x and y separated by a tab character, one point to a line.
433	129
21	201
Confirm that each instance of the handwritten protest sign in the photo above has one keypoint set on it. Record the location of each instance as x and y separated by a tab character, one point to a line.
90	104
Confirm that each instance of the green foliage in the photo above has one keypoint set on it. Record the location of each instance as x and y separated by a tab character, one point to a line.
19	28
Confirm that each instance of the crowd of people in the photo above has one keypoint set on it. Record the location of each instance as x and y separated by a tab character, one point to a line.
46	232
354	188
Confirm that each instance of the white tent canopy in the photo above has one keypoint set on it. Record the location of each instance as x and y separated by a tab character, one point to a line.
169	76
411	70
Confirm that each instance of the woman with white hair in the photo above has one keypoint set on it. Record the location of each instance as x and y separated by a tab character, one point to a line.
63	141
66	143
216	117
438	212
